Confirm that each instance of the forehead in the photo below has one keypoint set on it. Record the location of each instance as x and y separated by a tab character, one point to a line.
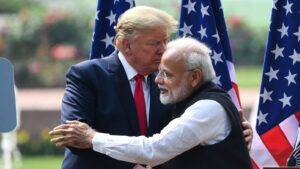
153	33
172	59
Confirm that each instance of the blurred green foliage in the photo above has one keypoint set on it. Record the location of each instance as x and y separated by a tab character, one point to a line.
38	162
13	6
249	76
247	43
42	43
41	145
42	39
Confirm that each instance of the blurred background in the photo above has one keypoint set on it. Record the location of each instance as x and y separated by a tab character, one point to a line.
43	38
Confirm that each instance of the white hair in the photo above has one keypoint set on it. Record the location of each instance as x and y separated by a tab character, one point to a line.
196	55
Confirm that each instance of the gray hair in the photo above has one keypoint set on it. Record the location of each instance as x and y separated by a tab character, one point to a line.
139	18
196	55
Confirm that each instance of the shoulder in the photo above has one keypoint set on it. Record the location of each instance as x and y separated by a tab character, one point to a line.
94	65
206	109
206	104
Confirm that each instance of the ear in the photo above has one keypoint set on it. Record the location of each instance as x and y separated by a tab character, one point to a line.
126	46
196	77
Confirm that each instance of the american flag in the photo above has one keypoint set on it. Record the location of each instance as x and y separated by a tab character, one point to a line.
278	112
204	20
106	17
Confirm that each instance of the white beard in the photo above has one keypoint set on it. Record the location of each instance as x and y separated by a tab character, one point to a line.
175	95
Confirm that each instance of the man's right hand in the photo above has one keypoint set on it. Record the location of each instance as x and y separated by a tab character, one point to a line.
73	134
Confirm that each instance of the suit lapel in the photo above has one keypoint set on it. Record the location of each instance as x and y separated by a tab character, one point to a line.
154	106
124	93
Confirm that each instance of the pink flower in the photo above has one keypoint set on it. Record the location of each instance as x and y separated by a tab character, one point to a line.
235	21
36	67
61	51
55	16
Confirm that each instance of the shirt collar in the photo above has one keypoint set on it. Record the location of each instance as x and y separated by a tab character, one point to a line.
129	70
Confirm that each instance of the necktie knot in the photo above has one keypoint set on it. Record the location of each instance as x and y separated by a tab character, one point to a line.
138	78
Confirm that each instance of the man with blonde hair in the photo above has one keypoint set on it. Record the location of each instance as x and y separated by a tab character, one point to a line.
101	92
205	134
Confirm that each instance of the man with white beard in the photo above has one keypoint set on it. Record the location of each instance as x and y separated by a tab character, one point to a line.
206	132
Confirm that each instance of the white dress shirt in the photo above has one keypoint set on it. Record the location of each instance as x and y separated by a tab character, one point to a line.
131	73
205	122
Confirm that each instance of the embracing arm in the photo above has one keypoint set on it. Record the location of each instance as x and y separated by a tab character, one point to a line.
196	126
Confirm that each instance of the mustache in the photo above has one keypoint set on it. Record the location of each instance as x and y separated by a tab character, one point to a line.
161	86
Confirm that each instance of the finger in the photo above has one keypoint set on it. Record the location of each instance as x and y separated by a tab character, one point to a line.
55	133
82	125
61	145
62	126
246	124
72	122
60	132
63	141
248	138
76	124
57	140
79	125
247	132
249	147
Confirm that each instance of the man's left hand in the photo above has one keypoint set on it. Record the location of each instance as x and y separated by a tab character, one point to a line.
248	133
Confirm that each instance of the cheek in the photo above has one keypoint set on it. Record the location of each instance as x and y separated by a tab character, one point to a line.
170	85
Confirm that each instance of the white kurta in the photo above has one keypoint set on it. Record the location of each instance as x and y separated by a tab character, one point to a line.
205	122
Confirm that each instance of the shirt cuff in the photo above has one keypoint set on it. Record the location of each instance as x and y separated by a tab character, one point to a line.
98	142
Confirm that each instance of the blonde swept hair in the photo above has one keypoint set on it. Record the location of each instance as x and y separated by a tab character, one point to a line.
139	18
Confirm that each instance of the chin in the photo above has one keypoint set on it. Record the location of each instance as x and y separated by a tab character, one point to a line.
166	100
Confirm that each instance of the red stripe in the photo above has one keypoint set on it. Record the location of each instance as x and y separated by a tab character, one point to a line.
254	165
277	144
236	89
297	114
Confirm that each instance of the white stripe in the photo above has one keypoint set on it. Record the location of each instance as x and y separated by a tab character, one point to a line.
231	71
290	128
232	92
298	138
260	154
234	98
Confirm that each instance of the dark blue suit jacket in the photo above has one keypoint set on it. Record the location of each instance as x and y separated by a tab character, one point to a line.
98	93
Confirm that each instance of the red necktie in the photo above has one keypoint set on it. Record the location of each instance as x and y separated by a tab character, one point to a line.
140	104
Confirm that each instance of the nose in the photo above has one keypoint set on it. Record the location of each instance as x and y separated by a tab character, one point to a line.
162	48
159	79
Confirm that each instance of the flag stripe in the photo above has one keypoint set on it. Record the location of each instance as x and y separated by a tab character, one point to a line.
289	126
233	95
254	165
260	154
298	115
238	100
231	71
236	96
280	146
